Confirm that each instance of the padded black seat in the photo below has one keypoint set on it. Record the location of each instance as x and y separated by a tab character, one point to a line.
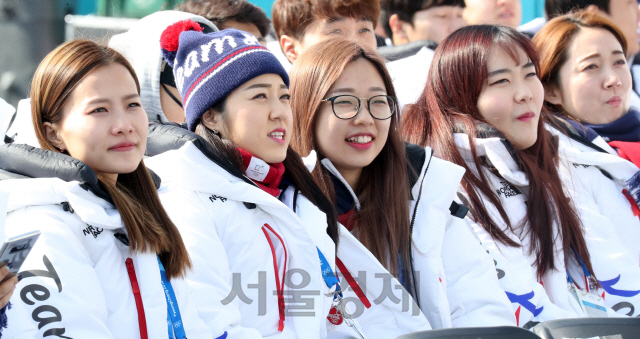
502	332
589	327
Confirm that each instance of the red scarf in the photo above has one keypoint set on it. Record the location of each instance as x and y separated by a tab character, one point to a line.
266	176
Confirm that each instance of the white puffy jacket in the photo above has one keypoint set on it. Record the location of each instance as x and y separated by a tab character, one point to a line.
457	279
228	225
607	194
612	263
76	283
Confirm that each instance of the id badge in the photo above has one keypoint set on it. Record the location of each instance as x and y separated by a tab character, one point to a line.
591	304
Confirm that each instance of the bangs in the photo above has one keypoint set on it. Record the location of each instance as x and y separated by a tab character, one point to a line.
510	42
360	9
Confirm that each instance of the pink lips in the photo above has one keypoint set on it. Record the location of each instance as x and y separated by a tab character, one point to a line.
615	101
359	146
526	116
123	147
280	141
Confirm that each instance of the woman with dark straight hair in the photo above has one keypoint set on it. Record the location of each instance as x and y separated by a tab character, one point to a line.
590	100
483	109
109	258
395	198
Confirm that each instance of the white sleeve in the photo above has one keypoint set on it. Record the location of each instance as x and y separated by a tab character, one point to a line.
60	292
210	280
474	293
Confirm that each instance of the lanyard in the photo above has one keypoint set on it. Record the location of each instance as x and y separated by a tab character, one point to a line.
589	280
174	320
329	277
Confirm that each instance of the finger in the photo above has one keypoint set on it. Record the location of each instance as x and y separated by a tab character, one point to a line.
5	299
8	286
5	270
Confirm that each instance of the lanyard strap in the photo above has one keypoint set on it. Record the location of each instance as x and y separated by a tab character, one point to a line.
174	320
352	282
588	279
279	282
329	277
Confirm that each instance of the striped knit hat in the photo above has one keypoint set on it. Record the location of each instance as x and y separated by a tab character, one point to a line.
207	67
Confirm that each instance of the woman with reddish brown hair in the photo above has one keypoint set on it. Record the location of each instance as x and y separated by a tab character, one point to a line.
587	85
396	199
483	110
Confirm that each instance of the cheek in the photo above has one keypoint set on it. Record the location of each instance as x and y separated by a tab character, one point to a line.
82	135
327	132
492	108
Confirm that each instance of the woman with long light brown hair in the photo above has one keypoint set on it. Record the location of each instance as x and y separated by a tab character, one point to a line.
109	262
396	199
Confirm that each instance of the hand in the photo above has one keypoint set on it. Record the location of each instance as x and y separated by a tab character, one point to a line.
7	287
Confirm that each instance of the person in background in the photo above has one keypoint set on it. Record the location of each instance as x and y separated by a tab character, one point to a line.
587	86
300	24
238	14
160	98
397	199
412	25
493	12
109	262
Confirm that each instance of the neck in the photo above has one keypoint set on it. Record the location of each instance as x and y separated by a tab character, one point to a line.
351	176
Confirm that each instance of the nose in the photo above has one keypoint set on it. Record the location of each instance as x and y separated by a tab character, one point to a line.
279	110
363	117
612	80
122	123
523	94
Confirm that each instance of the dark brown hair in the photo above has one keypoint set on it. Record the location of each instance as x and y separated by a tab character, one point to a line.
407	9
296	172
554	39
134	194
221	11
457	77
382	224
292	17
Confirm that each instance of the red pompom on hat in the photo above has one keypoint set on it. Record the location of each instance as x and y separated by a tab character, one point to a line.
170	38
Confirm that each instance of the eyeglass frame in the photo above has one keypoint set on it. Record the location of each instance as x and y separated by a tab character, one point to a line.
333	99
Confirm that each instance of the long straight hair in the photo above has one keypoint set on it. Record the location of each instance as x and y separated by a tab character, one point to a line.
458	75
134	194
383	224
295	170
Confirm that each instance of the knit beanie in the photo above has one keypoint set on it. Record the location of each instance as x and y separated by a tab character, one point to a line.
208	67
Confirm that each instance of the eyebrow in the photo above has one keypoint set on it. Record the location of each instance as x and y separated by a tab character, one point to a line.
258	86
351	90
505	70
105	100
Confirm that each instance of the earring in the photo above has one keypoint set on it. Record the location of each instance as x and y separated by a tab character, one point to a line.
215	131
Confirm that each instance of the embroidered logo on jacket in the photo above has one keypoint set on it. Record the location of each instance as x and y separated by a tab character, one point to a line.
92	230
578	165
507	189
216	197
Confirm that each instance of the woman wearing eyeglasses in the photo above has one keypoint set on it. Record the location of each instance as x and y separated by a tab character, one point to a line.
396	199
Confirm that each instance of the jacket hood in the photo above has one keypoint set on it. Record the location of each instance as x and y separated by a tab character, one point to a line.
141	46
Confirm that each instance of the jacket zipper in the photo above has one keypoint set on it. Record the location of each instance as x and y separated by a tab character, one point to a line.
142	321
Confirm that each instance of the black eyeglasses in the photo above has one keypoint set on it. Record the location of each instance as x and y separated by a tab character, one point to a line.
346	107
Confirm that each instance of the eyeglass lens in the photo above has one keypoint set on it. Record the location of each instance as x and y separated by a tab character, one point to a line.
347	106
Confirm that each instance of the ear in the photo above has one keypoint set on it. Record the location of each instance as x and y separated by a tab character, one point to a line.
290	47
213	121
51	131
399	36
553	95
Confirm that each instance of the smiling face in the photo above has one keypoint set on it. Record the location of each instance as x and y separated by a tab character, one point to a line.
493	12
512	98
435	23
257	118
595	81
352	144
103	123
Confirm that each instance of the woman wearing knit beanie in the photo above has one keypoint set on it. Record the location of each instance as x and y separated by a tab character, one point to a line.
261	235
